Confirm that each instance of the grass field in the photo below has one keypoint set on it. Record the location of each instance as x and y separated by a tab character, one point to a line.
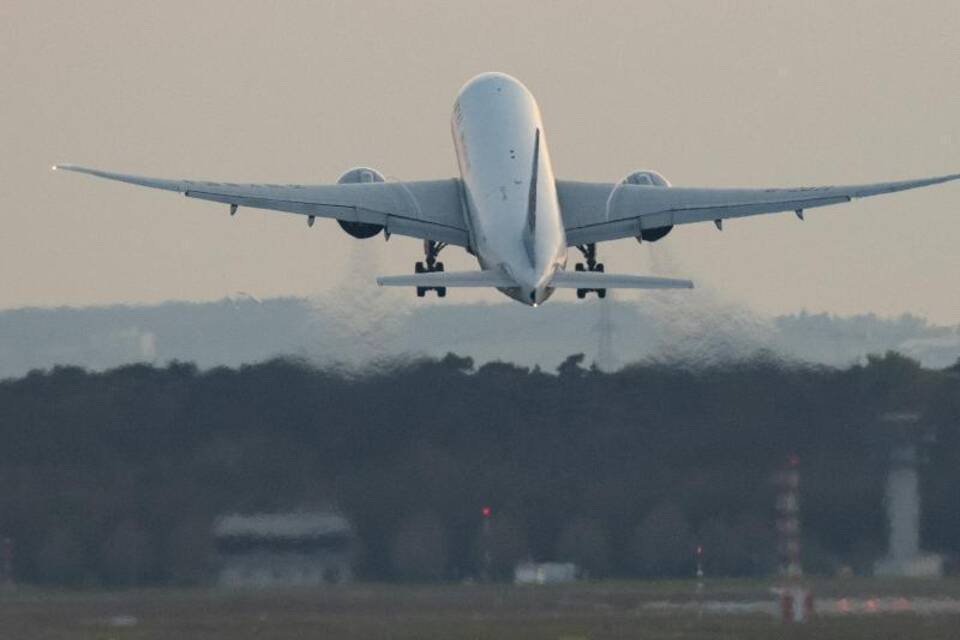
592	611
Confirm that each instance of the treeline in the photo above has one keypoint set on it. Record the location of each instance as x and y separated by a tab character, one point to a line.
115	478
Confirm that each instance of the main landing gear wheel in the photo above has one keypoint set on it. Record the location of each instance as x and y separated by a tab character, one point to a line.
589	252
431	250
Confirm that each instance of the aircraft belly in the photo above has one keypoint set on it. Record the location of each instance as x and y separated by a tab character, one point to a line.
496	123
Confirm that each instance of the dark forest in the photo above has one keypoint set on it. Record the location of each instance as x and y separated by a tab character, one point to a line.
114	478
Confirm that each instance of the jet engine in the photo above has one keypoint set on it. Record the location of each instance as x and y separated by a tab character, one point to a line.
650	179
361	230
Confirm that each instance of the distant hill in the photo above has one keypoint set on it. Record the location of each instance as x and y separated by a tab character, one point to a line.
358	332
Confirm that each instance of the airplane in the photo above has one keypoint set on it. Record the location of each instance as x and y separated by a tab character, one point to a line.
508	210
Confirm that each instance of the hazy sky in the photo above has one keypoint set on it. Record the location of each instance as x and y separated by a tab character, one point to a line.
708	93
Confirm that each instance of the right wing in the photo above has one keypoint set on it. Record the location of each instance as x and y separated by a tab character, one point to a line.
595	212
428	210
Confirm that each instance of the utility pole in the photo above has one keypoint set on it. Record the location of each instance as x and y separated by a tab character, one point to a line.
6	565
486	557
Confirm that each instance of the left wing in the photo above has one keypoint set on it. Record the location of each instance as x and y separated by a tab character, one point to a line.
429	210
595	212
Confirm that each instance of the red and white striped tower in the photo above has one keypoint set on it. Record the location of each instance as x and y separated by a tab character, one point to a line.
796	601
788	518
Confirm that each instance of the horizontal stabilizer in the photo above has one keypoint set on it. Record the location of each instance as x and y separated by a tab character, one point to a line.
450	279
595	280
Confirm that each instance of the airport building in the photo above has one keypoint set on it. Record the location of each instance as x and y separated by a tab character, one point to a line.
297	549
545	573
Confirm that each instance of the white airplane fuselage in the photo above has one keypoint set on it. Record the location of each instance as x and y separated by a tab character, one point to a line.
509	192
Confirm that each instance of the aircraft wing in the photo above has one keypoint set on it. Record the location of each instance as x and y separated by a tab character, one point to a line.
429	210
595	212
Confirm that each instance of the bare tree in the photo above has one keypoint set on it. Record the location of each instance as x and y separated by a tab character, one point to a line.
663	544
420	551
584	541
62	558
127	555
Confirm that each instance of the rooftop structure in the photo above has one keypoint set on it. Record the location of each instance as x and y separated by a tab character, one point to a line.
284	549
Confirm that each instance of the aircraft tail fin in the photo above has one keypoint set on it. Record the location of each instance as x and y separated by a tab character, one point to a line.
594	280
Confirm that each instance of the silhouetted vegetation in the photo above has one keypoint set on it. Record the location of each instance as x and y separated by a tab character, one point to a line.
114	478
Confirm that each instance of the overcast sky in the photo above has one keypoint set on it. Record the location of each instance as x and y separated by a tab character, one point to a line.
708	93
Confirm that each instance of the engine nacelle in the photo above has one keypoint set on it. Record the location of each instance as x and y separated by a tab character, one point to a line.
360	230
650	179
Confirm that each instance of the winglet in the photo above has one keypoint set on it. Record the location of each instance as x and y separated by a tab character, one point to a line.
143	181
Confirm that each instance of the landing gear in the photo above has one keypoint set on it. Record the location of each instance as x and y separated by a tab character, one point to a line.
431	250
589	252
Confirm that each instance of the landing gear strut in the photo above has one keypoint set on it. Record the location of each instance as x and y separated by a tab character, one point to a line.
431	250
589	252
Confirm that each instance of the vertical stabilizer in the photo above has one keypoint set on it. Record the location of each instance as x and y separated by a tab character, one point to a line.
529	234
